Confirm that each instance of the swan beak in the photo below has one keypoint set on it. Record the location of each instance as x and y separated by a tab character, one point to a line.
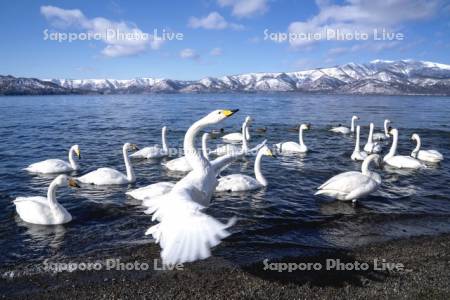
73	183
270	153
230	112
78	153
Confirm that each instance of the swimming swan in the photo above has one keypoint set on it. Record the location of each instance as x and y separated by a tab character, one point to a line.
54	166
184	232
155	151
357	153
400	161
234	149
343	129
290	147
352	185
109	176
371	147
237	136
380	136
240	182
45	210
181	164
433	156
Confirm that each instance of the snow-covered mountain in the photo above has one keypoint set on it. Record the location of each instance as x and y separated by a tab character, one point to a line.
376	77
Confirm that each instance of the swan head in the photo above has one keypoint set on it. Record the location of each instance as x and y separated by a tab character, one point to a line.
219	115
415	137
355	118
305	126
62	180
265	150
387	121
248	119
132	147
393	131
76	149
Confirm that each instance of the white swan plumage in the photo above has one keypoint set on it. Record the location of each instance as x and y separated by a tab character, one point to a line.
55	166
236	149
357	153
432	156
400	161
380	136
241	182
109	176
151	191
237	137
155	151
293	147
345	130
184	232
350	186
45	210
181	164
371	147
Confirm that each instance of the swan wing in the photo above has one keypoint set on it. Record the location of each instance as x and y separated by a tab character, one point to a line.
180	164
346	187
104	176
290	147
235	136
402	161
152	190
341	176
185	233
430	155
149	152
340	129
237	182
50	166
36	210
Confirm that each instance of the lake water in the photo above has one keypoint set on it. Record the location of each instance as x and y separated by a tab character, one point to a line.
282	219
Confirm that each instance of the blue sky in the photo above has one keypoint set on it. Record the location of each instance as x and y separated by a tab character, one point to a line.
220	37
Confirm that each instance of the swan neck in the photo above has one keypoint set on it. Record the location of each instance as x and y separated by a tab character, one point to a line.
418	145
386	133
51	195
300	136
164	140
72	161
196	160
352	128
370	138
393	149
366	163
130	172
259	176
357	139
245	135
205	146
247	132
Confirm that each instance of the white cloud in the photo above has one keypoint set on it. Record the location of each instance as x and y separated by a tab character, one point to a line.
189	53
363	16
245	8
212	21
216	52
115	46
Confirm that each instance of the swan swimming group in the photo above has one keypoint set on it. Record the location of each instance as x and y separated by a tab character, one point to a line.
184	232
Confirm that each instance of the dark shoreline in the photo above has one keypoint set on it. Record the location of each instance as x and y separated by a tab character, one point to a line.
426	273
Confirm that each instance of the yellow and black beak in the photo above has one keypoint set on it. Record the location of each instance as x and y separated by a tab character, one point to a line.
270	153
73	183
230	112
78	153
